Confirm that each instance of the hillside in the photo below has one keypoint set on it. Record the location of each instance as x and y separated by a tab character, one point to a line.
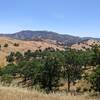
86	44
23	46
36	44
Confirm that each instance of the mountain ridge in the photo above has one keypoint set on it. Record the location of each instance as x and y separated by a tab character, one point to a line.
63	39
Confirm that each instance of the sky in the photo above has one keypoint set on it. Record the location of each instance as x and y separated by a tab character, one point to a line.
74	17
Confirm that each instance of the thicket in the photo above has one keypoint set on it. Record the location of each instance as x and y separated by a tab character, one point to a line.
46	68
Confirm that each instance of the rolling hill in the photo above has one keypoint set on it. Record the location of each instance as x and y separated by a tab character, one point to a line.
22	46
86	44
34	40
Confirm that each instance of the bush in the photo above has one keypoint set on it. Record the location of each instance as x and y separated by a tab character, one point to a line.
6	45
78	89
10	58
0	47
6	79
16	44
85	89
95	80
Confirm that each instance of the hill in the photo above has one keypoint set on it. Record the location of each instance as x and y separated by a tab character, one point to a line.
85	44
23	46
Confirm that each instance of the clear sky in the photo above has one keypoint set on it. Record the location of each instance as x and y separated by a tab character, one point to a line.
75	17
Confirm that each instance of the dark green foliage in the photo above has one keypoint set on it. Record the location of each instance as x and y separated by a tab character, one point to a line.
95	79
51	73
6	79
96	55
72	66
18	57
30	71
10	57
46	68
8	73
28	55
10	69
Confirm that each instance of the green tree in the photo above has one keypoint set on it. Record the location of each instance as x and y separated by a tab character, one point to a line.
95	79
10	57
72	66
51	73
28	55
30	71
18	57
96	55
10	69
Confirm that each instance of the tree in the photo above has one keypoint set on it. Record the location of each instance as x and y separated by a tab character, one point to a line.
6	79
10	57
95	79
96	55
16	44
28	55
18	57
51	73
73	66
5	45
8	73
30	71
10	69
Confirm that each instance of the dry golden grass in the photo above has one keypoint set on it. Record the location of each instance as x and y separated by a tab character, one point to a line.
11	93
85	44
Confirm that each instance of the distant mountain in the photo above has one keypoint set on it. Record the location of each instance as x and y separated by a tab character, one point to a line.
59	38
31	35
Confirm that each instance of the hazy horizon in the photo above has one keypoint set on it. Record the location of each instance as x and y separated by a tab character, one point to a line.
72	17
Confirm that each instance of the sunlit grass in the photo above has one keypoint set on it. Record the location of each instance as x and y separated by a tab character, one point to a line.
14	93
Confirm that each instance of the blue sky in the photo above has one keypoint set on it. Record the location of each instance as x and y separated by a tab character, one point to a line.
75	17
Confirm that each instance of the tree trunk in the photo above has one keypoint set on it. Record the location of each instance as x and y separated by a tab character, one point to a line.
68	83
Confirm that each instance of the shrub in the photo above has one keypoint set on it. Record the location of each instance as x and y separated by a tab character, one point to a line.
78	89
6	79
85	89
6	45
95	80
10	58
16	44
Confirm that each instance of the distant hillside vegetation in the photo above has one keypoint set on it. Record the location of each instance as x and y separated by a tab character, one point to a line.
8	45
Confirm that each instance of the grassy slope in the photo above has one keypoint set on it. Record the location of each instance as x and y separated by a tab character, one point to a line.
23	46
10	93
85	44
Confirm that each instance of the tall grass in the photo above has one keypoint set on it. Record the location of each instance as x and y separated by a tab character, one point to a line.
14	93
